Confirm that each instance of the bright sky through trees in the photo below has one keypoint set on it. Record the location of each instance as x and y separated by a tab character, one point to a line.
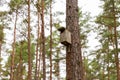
91	6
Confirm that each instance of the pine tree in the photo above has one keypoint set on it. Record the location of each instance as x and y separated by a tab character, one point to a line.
38	37
51	40
74	67
13	47
43	40
29	45
108	26
1	43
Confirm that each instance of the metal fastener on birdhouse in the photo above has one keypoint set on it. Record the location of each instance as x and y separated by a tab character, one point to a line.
65	36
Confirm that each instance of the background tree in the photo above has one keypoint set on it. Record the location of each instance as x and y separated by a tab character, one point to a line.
29	45
1	42
50	39
14	5
108	34
43	40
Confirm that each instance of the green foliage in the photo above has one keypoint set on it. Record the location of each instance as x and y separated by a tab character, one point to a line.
15	4
85	27
105	54
21	50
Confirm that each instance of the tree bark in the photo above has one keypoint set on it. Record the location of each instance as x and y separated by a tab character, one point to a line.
37	48
20	66
43	41
0	58
116	43
13	48
57	63
29	45
74	67
50	39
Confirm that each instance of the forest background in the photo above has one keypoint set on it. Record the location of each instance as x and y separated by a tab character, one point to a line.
31	27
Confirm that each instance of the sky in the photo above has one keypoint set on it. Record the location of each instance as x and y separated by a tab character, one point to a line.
91	6
87	6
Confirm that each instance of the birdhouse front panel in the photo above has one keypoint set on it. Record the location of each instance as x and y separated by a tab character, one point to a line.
65	37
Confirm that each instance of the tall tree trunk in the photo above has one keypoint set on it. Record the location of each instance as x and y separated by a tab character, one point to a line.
20	63
0	58
103	73
39	65
74	67
43	41
108	62
50	39
57	63
0	48
1	42
108	53
37	48
116	43
29	45
13	49
40	57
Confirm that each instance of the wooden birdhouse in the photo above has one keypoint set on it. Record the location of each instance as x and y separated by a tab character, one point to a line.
65	36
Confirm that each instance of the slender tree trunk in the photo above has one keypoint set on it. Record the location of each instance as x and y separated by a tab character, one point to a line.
37	47
85	68
108	62
29	45
116	43
1	42
39	65
74	66
108	53
103	73
43	41
0	48
20	62
0	58
13	48
58	67
50	39
40	57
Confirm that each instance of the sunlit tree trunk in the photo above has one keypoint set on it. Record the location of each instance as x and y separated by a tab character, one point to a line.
29	45
108	52
40	56
1	42
37	48
58	67
0	57
116	43
50	39
39	64
0	48
20	70
74	67
13	48
43	41
108	61
103	73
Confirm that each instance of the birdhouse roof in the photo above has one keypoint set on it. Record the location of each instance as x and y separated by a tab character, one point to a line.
61	29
